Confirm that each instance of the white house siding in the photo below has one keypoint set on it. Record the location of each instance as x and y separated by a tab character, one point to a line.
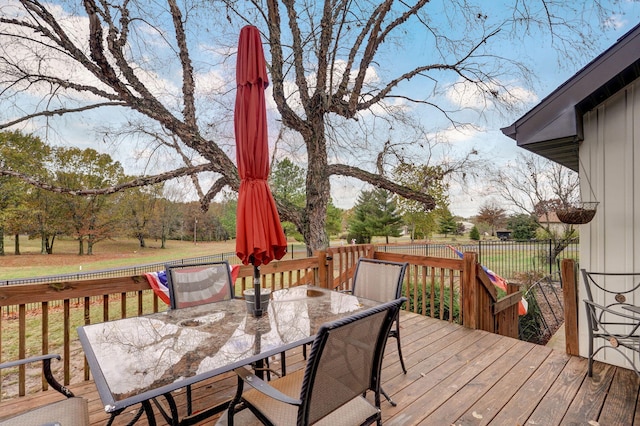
610	160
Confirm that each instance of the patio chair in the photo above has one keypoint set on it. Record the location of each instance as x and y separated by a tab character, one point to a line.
612	321
199	283
345	361
72	410
381	280
196	284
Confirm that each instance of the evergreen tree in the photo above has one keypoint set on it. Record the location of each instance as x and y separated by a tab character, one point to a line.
447	223
334	219
359	226
424	178
375	214
287	183
523	226
474	234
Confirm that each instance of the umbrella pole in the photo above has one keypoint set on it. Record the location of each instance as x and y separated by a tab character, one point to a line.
257	312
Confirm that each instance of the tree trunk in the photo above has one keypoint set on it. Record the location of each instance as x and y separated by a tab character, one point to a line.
318	189
44	239
16	245
141	241
1	241
80	247
50	245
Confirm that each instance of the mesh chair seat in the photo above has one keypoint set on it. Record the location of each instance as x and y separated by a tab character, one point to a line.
199	283
68	412
355	412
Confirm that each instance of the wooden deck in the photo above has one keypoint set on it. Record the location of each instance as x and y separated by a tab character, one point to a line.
458	376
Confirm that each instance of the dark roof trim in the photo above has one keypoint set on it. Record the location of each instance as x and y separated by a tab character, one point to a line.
553	128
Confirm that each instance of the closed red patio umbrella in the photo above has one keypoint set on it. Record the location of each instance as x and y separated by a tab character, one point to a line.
259	235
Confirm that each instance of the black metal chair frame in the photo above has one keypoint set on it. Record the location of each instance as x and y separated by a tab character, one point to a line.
311	370
616	323
174	305
170	414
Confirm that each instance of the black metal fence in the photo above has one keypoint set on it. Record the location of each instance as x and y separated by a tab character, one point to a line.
119	272
505	258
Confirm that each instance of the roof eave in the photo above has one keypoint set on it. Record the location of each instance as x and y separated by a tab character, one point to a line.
557	119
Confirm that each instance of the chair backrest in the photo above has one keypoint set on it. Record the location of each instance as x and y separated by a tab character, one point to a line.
379	280
199	283
614	287
613	291
345	361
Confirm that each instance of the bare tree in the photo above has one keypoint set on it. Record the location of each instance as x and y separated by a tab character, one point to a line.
538	187
334	78
493	215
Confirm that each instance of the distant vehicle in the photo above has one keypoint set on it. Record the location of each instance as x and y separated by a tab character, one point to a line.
503	235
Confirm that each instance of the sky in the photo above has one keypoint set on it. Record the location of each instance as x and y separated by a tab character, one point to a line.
548	72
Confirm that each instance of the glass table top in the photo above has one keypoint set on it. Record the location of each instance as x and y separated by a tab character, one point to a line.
135	359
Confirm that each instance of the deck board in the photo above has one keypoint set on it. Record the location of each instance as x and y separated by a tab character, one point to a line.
455	376
484	409
590	398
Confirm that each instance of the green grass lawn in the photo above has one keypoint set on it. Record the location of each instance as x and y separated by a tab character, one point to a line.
107	254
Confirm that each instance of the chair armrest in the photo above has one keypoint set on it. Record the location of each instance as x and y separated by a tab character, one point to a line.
263	387
18	362
46	370
629	316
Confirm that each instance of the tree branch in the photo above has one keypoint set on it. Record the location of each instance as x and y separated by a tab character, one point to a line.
188	85
60	111
141	181
382	182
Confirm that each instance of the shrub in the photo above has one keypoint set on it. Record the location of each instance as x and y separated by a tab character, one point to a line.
415	305
531	327
474	234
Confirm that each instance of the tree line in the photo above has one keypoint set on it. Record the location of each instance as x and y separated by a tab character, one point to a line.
139	212
147	213
151	212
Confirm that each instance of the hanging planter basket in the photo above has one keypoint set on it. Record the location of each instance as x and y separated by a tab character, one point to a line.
578	215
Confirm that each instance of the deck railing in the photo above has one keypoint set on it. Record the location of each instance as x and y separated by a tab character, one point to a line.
455	290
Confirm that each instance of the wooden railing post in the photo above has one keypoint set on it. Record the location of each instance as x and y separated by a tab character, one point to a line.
509	318
324	265
570	293
470	312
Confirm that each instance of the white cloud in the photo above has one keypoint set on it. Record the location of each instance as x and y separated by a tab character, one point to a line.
457	135
210	81
467	95
615	22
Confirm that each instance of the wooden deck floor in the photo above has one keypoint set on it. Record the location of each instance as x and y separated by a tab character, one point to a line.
462	377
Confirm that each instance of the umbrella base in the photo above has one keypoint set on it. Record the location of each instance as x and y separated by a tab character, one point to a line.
249	296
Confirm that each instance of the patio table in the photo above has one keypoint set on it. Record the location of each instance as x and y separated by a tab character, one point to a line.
135	360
